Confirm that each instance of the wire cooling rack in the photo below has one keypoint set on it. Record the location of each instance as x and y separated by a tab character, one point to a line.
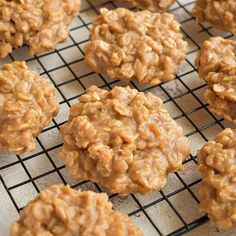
172	211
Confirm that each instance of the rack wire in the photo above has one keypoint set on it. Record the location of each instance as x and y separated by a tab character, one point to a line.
172	211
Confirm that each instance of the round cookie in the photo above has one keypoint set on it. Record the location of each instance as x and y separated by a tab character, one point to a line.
143	45
153	5
60	210
216	55
216	62
27	105
217	163
39	24
122	139
219	13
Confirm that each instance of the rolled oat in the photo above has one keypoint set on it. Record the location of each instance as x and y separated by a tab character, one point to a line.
144	45
217	66
41	24
124	140
217	163
60	210
219	13
27	105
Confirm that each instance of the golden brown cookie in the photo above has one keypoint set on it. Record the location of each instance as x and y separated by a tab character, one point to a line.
216	62
27	105
143	45
217	163
220	106
41	24
122	139
61	210
219	13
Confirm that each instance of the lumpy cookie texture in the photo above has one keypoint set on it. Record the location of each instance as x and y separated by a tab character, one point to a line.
221	107
217	163
153	5
219	13
217	66
122	139
27	105
60	210
216	55
41	24
144	45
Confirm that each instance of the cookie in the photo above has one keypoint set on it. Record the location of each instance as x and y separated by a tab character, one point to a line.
216	62
122	139
217	163
27	105
219	13
61	210
221	107
41	24
143	45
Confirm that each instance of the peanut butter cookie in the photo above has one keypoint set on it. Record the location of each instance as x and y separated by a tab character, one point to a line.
124	140
217	163
217	66
60	210
41	24
144	45
153	5
27	105
219	13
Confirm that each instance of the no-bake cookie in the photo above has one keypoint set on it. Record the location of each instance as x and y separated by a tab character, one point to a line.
144	45
122	139
41	24
217	163
27	105
153	5
60	210
217	66
219	13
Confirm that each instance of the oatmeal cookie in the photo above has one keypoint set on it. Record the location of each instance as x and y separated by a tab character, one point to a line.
61	210
217	163
220	106
217	66
144	45
153	5
41	24
219	13
27	105
122	139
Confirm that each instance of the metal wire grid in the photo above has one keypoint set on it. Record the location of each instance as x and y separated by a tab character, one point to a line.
172	211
